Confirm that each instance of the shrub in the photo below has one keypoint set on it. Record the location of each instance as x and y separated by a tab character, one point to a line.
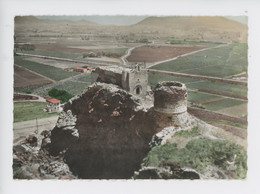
200	153
62	95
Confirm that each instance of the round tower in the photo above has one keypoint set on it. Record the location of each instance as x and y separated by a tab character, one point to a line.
170	99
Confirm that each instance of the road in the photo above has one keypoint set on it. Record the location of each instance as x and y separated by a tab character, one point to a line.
26	128
129	51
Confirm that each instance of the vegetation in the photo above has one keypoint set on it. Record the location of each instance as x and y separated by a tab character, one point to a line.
18	174
218	62
45	70
62	95
144	40
200	153
28	89
115	50
25	111
189	133
72	87
24	47
184	41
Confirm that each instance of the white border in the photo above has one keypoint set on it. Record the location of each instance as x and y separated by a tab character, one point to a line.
8	9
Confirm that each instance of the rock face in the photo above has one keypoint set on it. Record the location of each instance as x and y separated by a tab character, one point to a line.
105	133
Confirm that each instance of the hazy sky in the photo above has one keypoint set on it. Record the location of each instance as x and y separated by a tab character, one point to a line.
119	19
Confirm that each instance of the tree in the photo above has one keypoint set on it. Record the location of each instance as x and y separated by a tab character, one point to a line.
62	95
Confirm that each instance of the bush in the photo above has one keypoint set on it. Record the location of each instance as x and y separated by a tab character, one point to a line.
62	95
199	154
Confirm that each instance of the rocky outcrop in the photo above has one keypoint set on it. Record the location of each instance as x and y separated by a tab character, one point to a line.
114	129
169	171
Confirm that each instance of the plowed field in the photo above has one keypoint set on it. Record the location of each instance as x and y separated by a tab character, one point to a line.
159	53
23	78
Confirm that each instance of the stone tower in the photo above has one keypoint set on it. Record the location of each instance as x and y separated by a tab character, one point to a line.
135	80
170	98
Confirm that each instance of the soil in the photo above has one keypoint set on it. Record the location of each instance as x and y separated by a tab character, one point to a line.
159	53
23	78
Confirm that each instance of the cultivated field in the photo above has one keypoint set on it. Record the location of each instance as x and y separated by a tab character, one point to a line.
25	111
218	62
45	70
154	53
25	78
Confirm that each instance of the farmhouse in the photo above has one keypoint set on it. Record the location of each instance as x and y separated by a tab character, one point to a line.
53	105
133	80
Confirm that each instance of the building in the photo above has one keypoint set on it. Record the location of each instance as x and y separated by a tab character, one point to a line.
53	105
133	80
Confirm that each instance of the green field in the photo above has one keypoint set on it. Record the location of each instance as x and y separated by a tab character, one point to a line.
225	103
28	89
218	86
45	70
25	111
217	62
71	87
155	78
194	96
53	53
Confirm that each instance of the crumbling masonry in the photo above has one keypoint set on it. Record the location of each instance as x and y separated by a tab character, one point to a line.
135	80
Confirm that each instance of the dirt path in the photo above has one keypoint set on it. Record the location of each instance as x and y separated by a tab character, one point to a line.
26	128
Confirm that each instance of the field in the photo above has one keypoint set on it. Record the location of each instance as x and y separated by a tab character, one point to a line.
25	111
25	78
219	62
53	53
219	103
72	87
158	53
45	70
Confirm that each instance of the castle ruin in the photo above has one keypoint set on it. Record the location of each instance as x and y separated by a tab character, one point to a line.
170	98
135	80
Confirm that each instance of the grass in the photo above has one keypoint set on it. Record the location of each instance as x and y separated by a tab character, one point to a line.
200	153
25	111
225	103
45	70
217	62
191	133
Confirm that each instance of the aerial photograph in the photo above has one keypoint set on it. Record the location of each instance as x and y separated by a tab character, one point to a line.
130	97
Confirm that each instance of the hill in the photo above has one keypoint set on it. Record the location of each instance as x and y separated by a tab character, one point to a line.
196	27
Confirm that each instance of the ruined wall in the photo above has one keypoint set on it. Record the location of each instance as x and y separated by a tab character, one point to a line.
109	75
134	80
